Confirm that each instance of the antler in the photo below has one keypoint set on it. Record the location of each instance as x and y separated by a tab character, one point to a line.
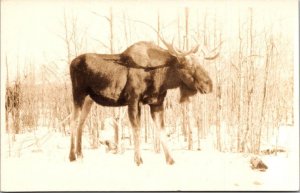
172	50
175	52
211	57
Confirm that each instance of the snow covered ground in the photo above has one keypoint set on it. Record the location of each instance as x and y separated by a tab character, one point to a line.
47	168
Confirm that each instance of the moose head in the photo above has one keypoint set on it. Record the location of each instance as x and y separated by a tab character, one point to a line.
190	71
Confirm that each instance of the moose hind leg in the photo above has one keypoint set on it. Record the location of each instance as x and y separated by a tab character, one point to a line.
157	114
74	117
84	113
134	113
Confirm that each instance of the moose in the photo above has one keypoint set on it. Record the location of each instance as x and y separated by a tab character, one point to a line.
141	75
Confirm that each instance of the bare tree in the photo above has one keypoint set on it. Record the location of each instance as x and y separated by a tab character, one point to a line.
187	106
156	137
111	20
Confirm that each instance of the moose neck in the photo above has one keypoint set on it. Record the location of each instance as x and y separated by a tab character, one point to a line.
170	78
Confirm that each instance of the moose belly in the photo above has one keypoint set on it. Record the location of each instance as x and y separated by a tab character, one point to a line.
106	101
110	95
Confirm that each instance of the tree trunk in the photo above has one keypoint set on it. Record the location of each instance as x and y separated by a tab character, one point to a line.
157	140
187	105
111	31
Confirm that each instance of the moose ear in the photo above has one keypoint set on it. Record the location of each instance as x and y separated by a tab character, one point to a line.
185	61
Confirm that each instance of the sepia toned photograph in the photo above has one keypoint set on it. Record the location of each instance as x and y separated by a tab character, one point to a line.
141	95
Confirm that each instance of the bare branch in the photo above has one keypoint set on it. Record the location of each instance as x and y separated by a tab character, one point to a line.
107	18
104	45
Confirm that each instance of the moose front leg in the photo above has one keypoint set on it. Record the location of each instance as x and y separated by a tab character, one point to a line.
157	113
134	113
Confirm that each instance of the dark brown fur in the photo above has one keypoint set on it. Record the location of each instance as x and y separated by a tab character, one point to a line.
142	74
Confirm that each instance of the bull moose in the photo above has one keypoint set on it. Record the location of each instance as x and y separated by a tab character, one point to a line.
141	75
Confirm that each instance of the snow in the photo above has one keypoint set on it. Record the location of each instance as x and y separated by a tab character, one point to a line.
46	167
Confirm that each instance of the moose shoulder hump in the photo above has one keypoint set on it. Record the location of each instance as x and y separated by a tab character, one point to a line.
145	54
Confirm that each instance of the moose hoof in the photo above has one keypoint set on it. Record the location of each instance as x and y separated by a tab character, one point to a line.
72	157
138	160
170	161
